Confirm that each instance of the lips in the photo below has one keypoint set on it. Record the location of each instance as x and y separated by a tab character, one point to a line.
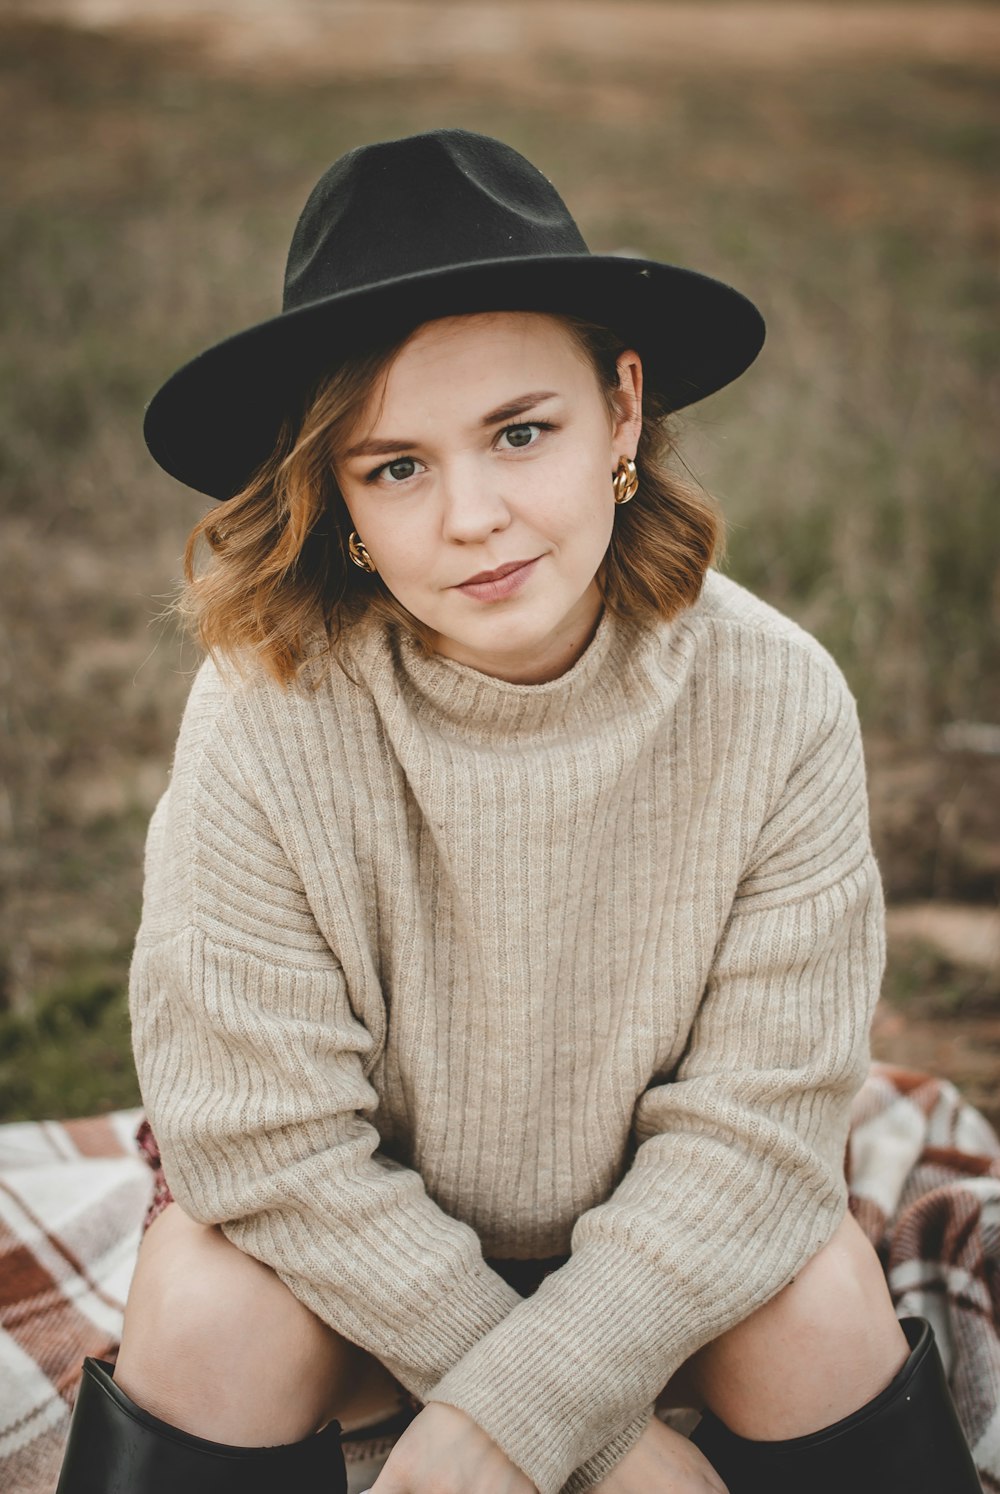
501	585
497	575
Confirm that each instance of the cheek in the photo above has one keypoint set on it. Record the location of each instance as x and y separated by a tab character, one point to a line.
578	502
393	533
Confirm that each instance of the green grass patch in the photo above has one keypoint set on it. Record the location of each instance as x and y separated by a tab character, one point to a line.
70	1053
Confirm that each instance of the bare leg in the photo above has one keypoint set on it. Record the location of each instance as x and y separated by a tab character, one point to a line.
215	1344
819	1350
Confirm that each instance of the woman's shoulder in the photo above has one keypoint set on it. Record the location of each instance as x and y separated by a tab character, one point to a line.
729	618
746	658
224	693
725	603
240	717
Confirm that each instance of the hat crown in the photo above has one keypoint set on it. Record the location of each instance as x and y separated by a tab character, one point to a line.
448	223
424	203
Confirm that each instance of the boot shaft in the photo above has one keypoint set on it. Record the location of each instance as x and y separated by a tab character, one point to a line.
115	1447
907	1439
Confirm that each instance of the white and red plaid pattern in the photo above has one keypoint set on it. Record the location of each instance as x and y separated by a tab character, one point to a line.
923	1166
924	1172
72	1197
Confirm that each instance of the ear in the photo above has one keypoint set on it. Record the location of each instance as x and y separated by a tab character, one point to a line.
626	429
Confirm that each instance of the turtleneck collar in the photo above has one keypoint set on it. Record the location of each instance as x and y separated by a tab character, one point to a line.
461	701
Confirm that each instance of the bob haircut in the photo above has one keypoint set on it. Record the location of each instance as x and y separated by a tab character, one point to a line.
280	587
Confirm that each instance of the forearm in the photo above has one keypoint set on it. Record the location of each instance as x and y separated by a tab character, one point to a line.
253	1079
737	1184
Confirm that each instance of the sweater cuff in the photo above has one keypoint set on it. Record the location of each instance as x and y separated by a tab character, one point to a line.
557	1382
475	1304
600	1465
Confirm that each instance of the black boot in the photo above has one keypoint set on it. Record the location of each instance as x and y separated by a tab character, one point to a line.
115	1447
906	1441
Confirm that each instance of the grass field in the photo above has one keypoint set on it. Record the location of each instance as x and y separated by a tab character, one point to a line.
149	198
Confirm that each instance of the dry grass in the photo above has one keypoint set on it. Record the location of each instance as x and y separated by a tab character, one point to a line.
148	205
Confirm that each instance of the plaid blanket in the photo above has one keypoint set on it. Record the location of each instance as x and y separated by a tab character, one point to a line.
923	1169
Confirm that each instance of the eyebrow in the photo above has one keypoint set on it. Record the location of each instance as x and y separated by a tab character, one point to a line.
519	406
507	411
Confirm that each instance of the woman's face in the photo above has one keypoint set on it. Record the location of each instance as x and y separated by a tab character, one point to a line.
489	447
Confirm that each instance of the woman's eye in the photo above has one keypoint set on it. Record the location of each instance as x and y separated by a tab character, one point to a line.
398	471
520	435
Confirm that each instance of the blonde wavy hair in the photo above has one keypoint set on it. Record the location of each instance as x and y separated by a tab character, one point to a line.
279	586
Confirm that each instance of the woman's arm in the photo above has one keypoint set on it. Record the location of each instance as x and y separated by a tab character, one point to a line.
254	1070
738	1177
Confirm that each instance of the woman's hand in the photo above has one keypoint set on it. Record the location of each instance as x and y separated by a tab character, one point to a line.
443	1451
662	1462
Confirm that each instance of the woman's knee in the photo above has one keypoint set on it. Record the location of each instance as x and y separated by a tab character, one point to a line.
215	1343
823	1346
840	1292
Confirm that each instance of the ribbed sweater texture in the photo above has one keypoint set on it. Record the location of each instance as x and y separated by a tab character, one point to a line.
434	968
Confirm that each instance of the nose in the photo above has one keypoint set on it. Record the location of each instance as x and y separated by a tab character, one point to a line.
473	507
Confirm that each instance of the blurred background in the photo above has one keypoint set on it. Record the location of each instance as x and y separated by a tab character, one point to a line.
835	161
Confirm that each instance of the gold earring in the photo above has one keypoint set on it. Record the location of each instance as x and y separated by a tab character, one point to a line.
359	554
625	481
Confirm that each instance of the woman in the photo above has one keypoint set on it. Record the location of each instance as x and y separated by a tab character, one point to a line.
511	927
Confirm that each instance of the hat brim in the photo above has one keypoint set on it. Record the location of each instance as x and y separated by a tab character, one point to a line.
216	419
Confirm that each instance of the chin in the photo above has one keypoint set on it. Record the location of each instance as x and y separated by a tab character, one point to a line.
511	635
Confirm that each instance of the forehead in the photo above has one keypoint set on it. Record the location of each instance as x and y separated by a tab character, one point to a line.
470	358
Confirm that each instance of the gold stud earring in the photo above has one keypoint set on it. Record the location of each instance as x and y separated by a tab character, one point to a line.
359	554
626	480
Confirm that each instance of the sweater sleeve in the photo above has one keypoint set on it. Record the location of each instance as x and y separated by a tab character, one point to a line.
254	1071
737	1179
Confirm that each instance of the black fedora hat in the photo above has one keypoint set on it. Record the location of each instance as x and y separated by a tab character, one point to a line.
401	232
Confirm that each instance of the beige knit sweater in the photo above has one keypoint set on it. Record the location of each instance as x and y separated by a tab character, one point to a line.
434	967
